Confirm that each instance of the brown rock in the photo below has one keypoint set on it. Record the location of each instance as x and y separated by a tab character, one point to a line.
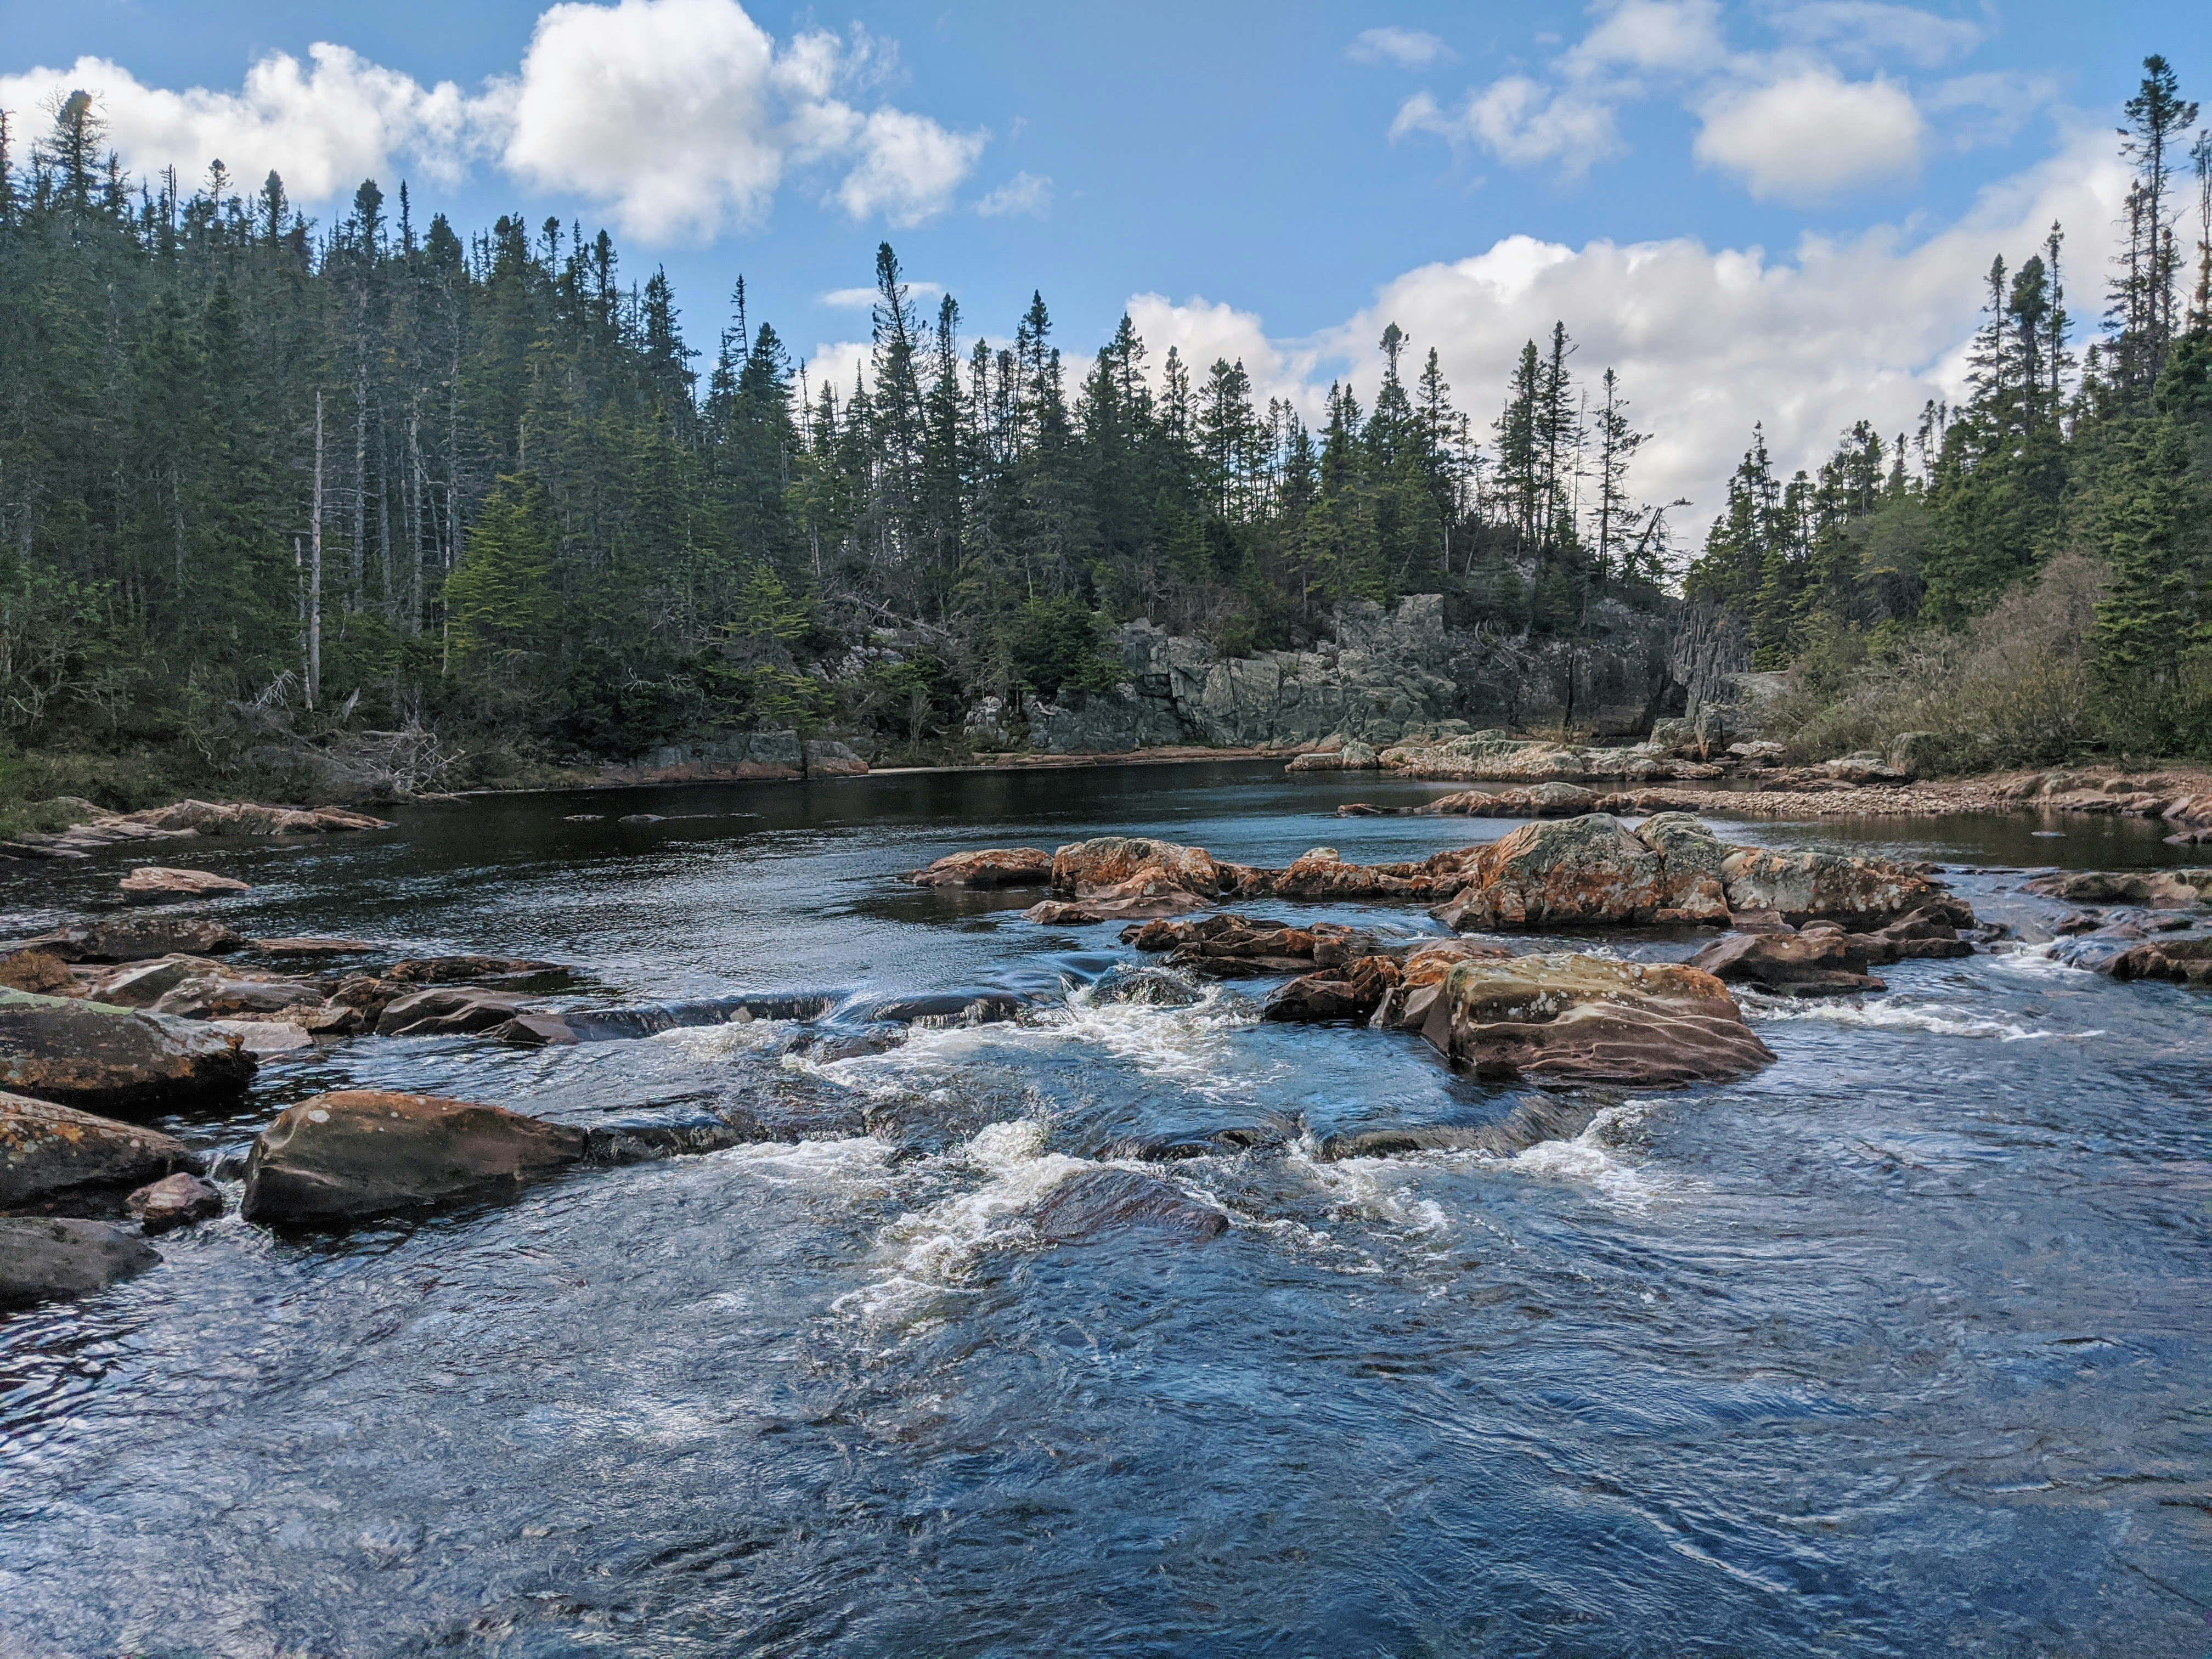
1097	1201
1858	892
463	970
1421	981
143	984
176	1202
37	970
312	945
1812	964
157	883
139	939
362	1152
1353	991
448	1011
49	1258
1231	944
2162	890
2185	961
49	1152
1588	1019
97	1057
1088	869
998	867
1591	871
227	999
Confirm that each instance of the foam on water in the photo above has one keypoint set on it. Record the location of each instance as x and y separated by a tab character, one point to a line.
1591	1159
742	1034
1893	1014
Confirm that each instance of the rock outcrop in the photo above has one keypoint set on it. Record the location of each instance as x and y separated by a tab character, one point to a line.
1592	872
340	1157
101	1058
1239	945
1099	1202
185	819
1389	672
1590	1020
996	866
138	938
50	1258
2160	890
1860	893
53	1154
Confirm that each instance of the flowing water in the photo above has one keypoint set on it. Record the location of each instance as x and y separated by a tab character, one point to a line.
1899	1346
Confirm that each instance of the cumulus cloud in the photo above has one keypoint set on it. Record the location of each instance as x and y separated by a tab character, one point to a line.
681	118
1807	136
1650	34
325	125
1520	122
1025	194
1706	340
1402	48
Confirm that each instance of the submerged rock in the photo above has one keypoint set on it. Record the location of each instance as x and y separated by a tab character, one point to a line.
360	1153
688	1137
1103	1202
158	884
139	939
1530	1122
175	1201
50	1152
312	944
98	1057
997	867
1590	1020
1171	1148
48	1258
1159	987
448	1011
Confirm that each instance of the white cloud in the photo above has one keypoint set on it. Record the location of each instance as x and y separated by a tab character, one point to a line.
681	118
1521	122
1404	48
325	127
856	299
1024	193
1681	35
1868	31
1808	136
1706	340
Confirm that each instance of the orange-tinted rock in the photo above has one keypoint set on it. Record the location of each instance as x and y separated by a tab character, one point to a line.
47	1152
1590	871
1790	963
158	883
997	867
1088	869
38	971
99	1058
1352	992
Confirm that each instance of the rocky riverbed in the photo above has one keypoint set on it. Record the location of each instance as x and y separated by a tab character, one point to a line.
733	1239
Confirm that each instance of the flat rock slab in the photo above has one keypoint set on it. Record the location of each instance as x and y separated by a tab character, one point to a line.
359	1152
156	884
1100	1202
49	1258
47	1152
448	1011
995	866
101	1058
139	939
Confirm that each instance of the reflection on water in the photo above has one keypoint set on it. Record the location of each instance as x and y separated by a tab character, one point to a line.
1897	1347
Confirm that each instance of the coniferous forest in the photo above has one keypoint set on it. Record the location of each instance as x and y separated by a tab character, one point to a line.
267	483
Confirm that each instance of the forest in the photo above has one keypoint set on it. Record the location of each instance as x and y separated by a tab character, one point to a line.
266	486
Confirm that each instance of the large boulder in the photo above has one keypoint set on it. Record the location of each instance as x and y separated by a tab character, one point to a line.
362	1152
143	984
1590	1019
996	866
1592	870
1860	893
46	1258
1089	869
139	939
101	1058
1083	1206
1421	978
1789	963
50	1152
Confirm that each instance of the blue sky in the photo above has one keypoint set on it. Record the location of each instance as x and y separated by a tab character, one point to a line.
1771	211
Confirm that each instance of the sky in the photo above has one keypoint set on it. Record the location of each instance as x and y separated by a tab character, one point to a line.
1778	211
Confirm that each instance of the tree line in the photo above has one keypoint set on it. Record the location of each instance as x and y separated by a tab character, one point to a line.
381	475
2105	459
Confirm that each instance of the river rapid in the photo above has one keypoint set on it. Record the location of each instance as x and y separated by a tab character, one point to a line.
1899	1346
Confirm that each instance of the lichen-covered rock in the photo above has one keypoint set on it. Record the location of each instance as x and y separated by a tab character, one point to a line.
50	1258
101	1058
1087	869
1234	945
1590	871
48	1152
362	1152
995	866
1590	1020
1421	981
1096	1202
1802	885
2161	890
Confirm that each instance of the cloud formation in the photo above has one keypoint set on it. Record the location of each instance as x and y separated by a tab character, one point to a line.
680	118
1025	194
1706	340
1402	48
1520	122
1805	138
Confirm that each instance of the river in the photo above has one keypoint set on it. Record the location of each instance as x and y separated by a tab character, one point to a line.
1899	1346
